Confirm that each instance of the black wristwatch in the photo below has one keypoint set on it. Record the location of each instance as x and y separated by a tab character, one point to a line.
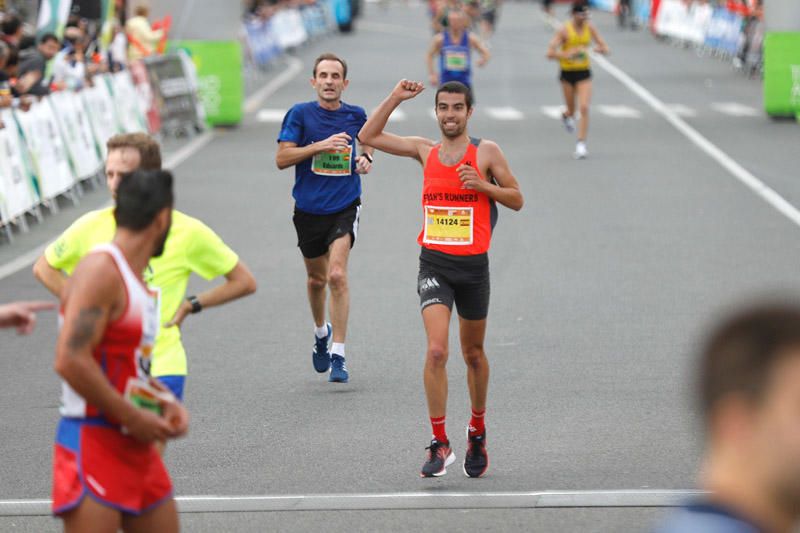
196	306
369	157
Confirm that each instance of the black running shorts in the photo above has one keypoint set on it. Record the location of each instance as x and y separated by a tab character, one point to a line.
315	233
446	279
574	77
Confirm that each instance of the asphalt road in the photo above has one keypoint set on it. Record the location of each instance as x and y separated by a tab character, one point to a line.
602	286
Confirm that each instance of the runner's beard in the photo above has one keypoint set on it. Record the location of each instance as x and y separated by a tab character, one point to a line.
457	132
160	243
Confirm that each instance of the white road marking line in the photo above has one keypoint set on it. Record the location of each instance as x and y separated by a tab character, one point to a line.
270	115
735	109
504	113
398	115
401	500
553	111
757	186
619	111
255	100
251	104
682	110
432	113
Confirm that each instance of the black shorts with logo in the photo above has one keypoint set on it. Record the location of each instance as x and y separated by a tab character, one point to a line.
446	279
315	233
574	77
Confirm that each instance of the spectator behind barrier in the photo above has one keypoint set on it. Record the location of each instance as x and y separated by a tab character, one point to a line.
69	65
36	61
142	38
12	30
6	97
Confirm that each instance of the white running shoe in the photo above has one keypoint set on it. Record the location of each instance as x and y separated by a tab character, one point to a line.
569	123
580	150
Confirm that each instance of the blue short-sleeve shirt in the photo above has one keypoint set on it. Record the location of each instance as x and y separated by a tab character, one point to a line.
324	184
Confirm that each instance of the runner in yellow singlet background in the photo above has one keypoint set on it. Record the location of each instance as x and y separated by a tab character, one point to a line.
570	46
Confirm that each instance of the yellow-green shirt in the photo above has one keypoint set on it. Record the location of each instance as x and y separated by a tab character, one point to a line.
191	247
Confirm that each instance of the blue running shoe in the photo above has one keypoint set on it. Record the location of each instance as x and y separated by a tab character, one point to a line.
338	370
321	356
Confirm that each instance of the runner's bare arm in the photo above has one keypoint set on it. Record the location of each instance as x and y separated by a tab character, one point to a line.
478	45
602	47
239	282
372	132
95	294
558	39
433	50
52	279
506	191
289	154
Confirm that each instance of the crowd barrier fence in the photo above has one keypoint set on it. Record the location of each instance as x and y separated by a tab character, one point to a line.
57	147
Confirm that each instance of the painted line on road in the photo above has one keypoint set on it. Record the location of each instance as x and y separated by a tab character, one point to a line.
682	110
619	111
735	109
504	113
26	259
758	187
401	501
270	115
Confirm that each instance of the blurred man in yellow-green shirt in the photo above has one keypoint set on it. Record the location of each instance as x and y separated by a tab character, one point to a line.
191	247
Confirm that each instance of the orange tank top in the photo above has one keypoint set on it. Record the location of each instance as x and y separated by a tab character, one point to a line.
455	220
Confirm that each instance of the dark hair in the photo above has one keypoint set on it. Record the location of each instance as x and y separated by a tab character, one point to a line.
329	57
48	37
141	195
742	352
455	87
148	148
580	6
11	25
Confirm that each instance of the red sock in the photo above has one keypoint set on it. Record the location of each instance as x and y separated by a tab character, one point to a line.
476	424
437	423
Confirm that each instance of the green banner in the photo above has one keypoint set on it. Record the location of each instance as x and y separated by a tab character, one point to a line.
219	78
782	74
53	16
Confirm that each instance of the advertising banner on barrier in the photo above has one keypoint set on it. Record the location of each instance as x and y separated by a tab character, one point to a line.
220	86
130	110
102	116
77	133
174	92
782	74
16	189
724	31
289	28
146	94
262	42
51	166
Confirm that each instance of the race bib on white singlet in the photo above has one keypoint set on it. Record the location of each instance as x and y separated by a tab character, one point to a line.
448	225
333	163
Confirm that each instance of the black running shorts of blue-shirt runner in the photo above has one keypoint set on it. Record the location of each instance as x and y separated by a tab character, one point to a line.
323	196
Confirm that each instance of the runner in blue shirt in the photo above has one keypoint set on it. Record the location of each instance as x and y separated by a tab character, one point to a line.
454	46
319	139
